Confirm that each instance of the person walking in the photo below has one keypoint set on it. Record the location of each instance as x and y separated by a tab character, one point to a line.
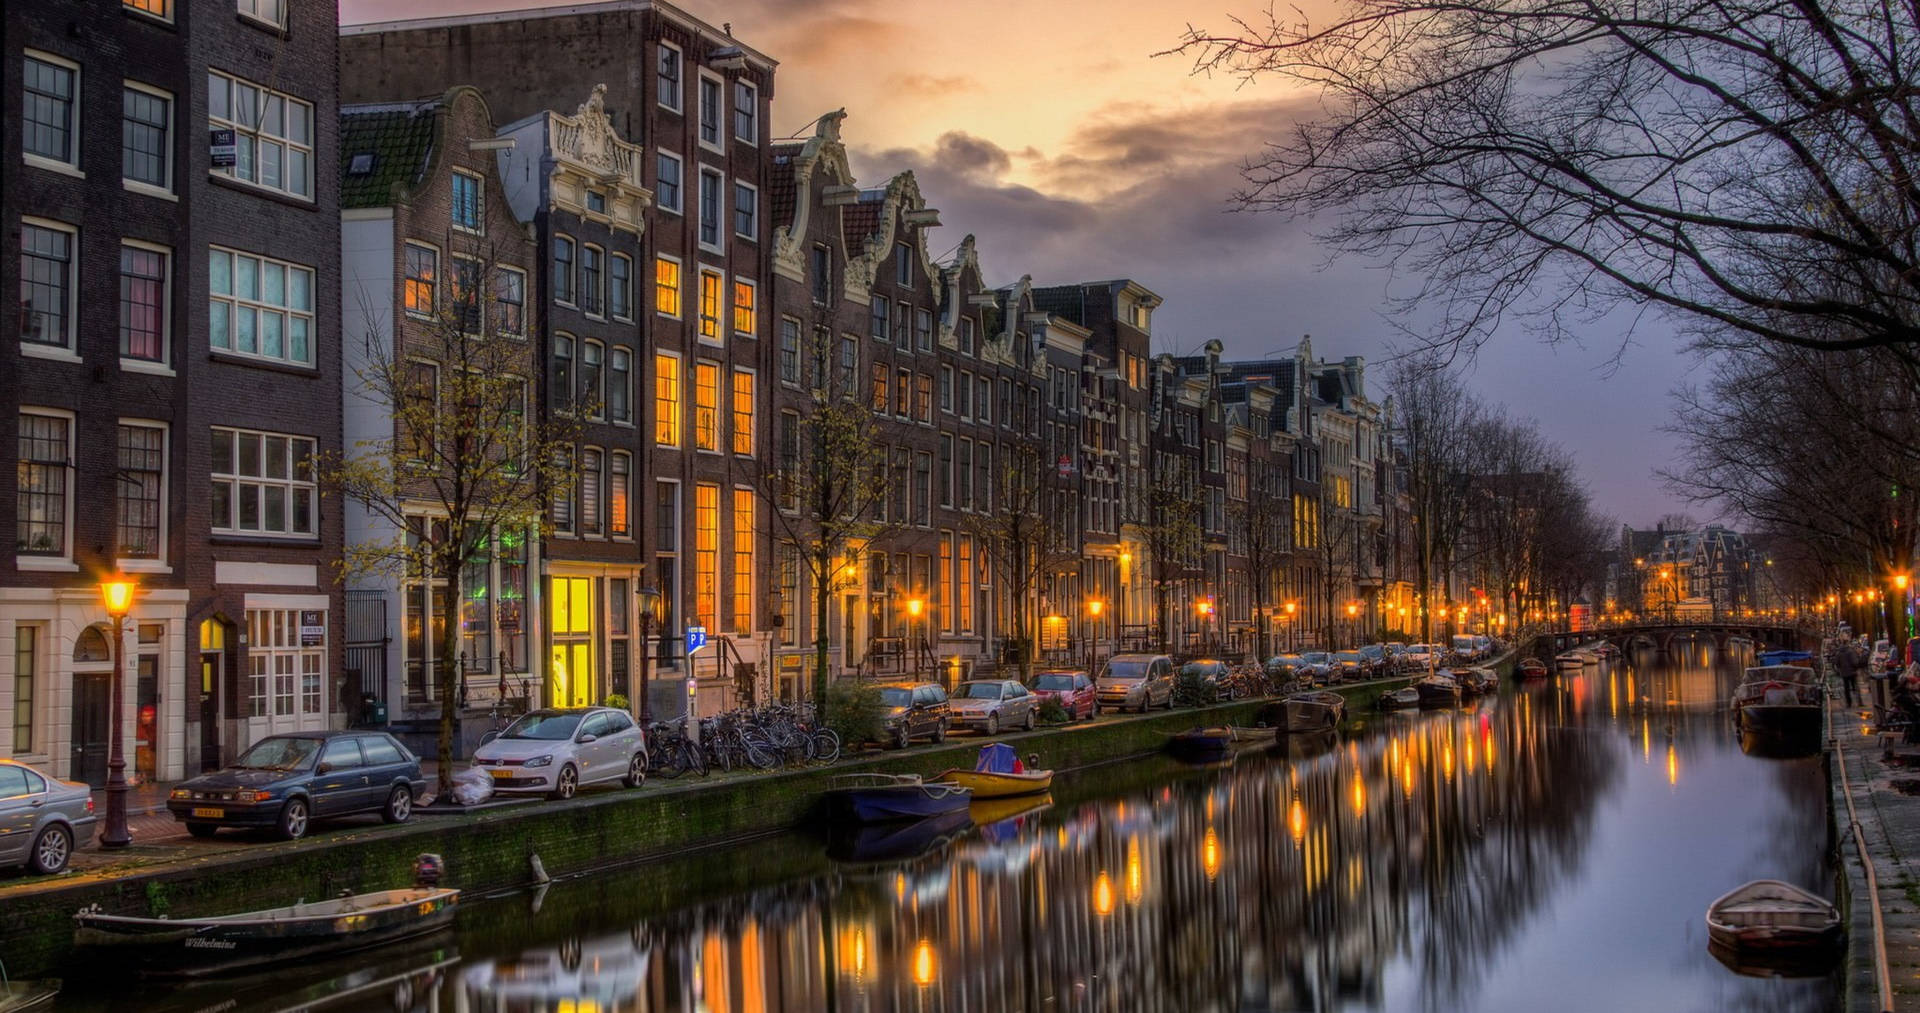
1846	663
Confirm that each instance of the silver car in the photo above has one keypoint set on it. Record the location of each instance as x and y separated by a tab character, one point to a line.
992	704
43	820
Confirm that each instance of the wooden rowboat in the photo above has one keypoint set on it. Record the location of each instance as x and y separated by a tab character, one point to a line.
1532	668
1767	914
876	798
998	773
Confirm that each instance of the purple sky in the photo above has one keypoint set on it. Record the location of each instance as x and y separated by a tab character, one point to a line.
1054	135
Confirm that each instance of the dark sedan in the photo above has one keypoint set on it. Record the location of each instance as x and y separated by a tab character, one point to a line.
287	781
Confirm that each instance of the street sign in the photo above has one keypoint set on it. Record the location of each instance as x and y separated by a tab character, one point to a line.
696	638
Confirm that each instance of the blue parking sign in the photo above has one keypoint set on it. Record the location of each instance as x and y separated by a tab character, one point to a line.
696	638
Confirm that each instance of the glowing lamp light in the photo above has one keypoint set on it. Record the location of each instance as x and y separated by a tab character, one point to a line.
117	593
1291	606
1900	581
915	606
1094	607
923	965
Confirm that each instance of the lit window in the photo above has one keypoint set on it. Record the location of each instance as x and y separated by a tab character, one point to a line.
706	552
706	406
666	399
666	286
272	133
742	560
709	305
742	412
260	307
619	495
158	8
423	272
743	313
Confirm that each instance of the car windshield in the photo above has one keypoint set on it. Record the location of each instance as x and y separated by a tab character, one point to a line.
1348	656
1373	652
280	753
1055	682
545	726
1314	658
896	697
981	691
1128	669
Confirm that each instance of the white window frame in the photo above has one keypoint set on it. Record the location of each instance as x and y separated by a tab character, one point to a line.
632	295
573	269
733	307
165	192
680	398
592	305
721	227
753	111
754	219
63	561
158	564
721	127
70	166
722	321
679	103
479	226
438	279
597	398
67	350
218	525
678	207
167	18
680	287
164	366
254	14
289	100
631	371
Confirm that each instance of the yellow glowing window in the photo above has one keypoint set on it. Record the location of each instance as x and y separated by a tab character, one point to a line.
666	400
666	286
743	308
710	305
742	560
157	8
706	406
742	412
706	552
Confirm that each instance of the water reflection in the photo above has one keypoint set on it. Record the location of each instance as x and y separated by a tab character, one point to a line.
1552	847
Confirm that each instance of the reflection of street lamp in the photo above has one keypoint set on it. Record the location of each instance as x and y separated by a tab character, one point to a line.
117	593
923	964
652	613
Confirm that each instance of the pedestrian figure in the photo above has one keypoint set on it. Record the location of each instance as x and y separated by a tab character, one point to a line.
1847	663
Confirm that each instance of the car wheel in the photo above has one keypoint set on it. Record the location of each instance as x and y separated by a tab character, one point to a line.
202	830
399	805
940	733
293	820
900	737
566	784
636	771
51	850
993	724
1029	724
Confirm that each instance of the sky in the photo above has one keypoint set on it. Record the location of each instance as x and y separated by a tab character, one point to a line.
1051	131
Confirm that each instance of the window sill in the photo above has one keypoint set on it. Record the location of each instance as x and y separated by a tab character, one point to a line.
148	16
42	162
261	23
142	566
146	366
257	538
148	189
670	316
51	353
286	197
257	362
45	564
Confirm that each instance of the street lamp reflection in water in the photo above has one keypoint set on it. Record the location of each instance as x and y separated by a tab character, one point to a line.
923	964
1210	853
1103	894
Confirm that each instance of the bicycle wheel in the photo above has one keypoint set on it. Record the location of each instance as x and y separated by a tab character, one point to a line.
826	745
757	757
671	761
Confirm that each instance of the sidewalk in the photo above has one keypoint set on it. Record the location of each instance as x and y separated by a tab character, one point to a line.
1882	777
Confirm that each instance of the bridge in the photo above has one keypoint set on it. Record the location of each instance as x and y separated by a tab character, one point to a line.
1662	634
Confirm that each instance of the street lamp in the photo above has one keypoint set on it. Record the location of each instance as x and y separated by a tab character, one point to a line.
1353	622
652	612
915	606
117	593
1205	608
1291	608
1094	607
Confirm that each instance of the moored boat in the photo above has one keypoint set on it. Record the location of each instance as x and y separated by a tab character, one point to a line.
1475	681
1783	701
1531	668
1437	691
197	946
1569	661
1768	915
876	798
998	773
1399	699
1201	745
1310	711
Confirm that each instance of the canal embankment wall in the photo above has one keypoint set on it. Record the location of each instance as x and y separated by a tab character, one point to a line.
490	850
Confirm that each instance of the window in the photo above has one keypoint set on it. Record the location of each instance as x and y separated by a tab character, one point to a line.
263	483
274	12
620	386
146	121
902	391
789	351
466	202
510	301
592	267
667	74
943	476
744	323
590	522
666	286
272	133
620	495
44	475
742	412
137	488
923	329
143	302
983	400
923	397
742	607
902	264
966	336
963	475
709	305
620	287
746	113
51	96
666	399
946	389
963	582
157	8
466	294
260	307
710	209
420	409
789	460
902	321
878	376
706	552
666	184
560	510
709	112
881	317
922	488
820	275
592	357
596	202
46	284
423	272
563	270
26	670
560	375
706	406
746	210
281	665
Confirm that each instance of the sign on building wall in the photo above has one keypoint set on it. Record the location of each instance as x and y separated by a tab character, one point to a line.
313	627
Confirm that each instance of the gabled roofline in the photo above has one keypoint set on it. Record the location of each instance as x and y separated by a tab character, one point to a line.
687	20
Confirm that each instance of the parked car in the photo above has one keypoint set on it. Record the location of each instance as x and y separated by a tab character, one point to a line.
1316	665
1136	682
1213	672
287	781
1420	655
1072	688
1462	648
43	820
915	709
1349	666
556	751
1377	663
1483	646
989	705
1283	666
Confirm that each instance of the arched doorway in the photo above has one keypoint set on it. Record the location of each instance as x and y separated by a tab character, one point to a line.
92	706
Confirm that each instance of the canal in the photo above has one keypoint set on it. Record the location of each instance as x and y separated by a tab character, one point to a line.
1552	848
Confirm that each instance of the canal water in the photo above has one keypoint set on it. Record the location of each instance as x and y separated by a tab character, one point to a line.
1554	848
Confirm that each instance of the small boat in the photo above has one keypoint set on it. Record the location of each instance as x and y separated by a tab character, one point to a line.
998	773
1399	699
1437	691
1201	745
1606	651
1531	668
1569	661
1475	681
1801	659
1309	711
1767	915
876	798
1784	701
1588	656
196	946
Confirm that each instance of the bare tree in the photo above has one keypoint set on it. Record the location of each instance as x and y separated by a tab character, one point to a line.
1435	422
467	461
1029	532
1746	166
1167	516
1260	525
1335	540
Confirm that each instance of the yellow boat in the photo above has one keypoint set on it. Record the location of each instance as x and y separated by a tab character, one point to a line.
998	775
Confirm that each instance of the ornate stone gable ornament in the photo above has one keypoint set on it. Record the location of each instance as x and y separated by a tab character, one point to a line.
596	138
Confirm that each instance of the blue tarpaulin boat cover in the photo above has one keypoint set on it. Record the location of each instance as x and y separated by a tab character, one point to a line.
998	758
1783	657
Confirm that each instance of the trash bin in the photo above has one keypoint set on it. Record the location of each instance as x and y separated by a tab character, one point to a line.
373	711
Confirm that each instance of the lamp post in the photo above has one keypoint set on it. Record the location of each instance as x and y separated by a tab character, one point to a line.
1094	607
117	593
1205	608
1353	622
652	608
1126	586
915	606
1291	608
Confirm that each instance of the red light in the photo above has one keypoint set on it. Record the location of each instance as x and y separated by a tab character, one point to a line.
89	804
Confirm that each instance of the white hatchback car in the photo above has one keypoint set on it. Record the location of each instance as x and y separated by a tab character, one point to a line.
555	751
